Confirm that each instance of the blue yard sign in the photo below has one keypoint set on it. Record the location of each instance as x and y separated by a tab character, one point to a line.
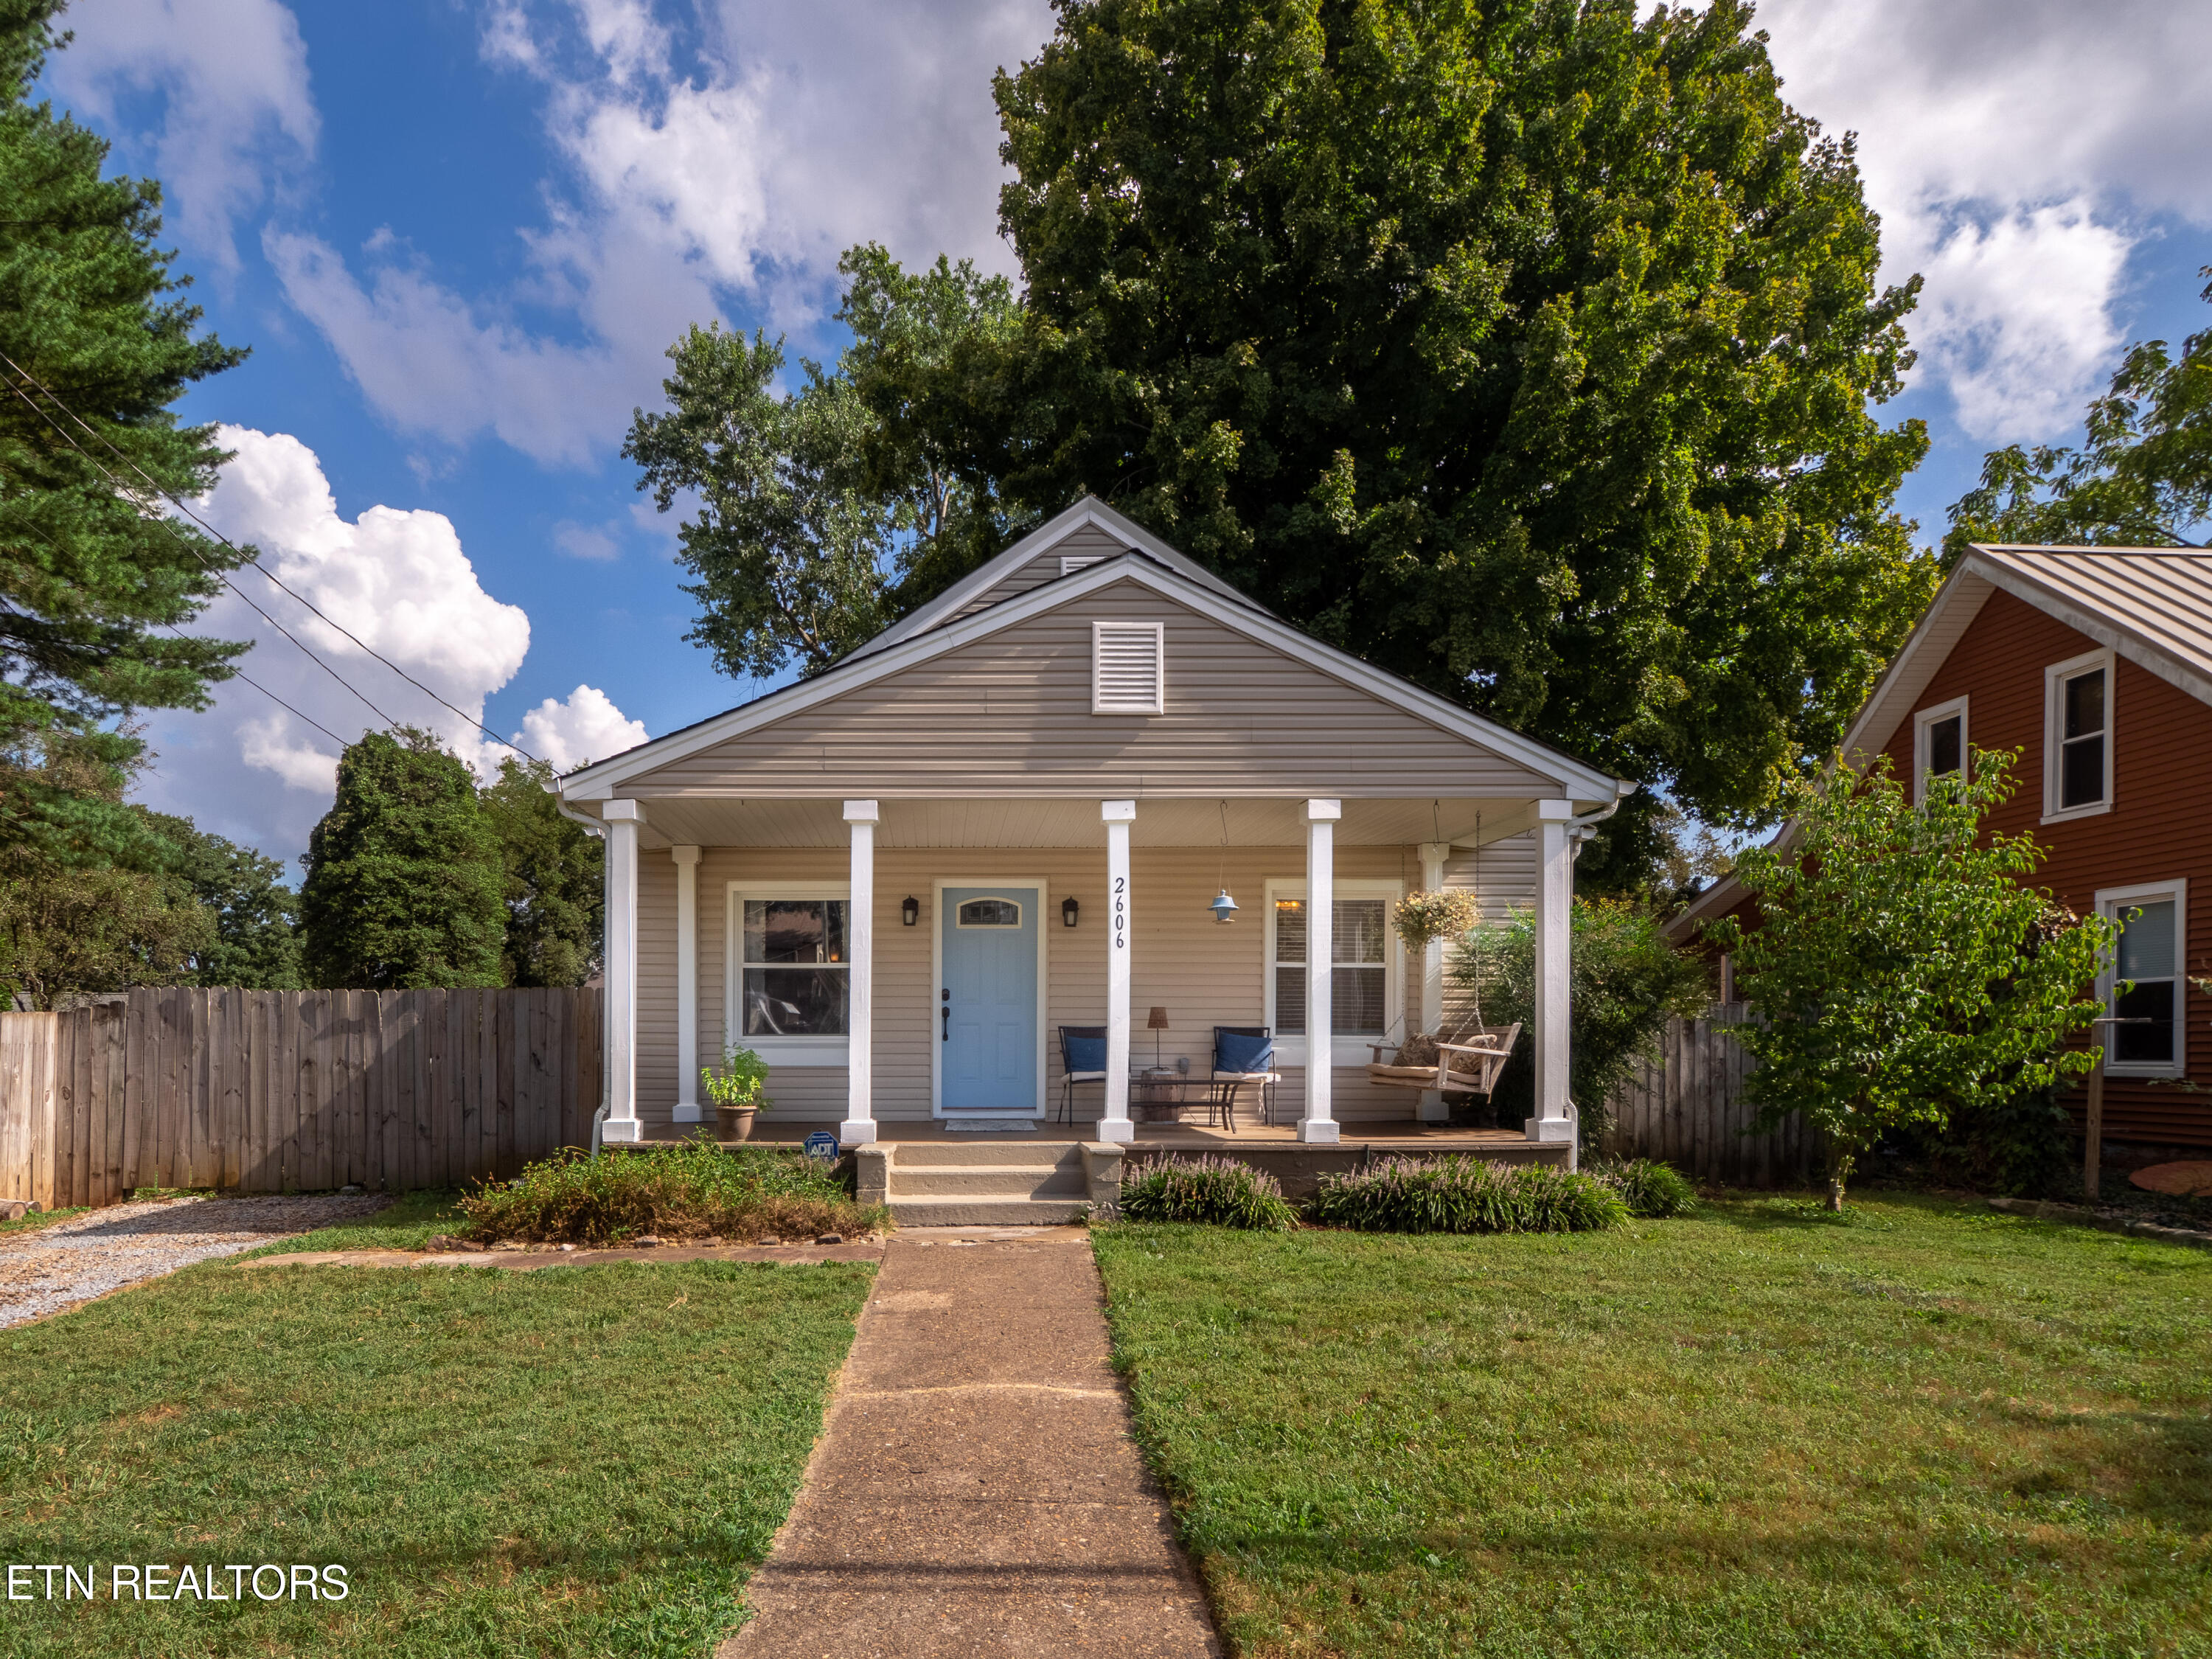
821	1144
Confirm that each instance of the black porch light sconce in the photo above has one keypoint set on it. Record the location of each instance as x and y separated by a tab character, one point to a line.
909	909
1069	910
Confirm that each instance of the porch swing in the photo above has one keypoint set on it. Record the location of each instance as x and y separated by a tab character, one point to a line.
1485	1048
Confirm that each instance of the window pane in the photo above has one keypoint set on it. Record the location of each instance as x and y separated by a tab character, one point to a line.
794	930
2147	940
1355	1001
794	1002
1291	932
2082	773
1943	745
990	912
1291	1000
1361	930
2085	703
2153	1042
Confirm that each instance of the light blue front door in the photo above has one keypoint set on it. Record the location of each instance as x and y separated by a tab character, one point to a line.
987	1011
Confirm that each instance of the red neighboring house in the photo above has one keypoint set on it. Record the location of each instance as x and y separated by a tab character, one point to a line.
2095	663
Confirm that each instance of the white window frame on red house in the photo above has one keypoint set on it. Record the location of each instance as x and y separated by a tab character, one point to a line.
2110	904
1921	720
2055	679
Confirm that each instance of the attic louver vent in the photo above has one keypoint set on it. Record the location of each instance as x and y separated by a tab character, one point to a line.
1128	668
1072	562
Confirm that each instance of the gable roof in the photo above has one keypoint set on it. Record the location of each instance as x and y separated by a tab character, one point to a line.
1090	511
1575	780
2150	604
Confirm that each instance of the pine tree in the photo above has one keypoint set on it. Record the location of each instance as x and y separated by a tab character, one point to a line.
92	577
405	878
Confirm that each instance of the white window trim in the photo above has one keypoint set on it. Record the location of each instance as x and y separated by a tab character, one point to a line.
2109	902
1045	1037
799	1051
1922	720
1159	705
1344	1050
2054	726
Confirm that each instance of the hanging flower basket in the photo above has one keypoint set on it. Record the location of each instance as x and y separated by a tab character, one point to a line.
1447	913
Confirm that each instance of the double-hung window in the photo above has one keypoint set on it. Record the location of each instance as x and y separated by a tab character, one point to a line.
789	971
2153	921
1364	992
1939	745
2077	737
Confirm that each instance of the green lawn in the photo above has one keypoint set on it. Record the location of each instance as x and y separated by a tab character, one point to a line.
576	1460
405	1223
1920	1429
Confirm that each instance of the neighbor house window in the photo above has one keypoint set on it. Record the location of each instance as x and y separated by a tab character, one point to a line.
1939	745
1364	992
789	970
2154	941
2077	767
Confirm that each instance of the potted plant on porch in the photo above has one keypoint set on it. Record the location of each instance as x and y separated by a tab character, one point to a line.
738	1088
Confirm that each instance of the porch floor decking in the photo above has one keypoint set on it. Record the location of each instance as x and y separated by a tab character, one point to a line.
1385	1136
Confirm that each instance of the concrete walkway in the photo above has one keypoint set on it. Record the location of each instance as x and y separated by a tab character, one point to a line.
976	1494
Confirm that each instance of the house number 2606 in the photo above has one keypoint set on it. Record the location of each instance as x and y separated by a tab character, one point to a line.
1121	913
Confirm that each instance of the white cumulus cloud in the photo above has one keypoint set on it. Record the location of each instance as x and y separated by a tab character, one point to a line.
2019	152
397	581
237	112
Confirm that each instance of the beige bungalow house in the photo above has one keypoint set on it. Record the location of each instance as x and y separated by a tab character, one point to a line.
1015	811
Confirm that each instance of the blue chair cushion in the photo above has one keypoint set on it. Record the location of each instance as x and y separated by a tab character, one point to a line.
1085	1053
1242	1053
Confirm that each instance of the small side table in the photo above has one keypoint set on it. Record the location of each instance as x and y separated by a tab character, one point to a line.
1156	1095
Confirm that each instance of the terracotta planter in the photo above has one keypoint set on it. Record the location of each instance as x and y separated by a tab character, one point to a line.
735	1123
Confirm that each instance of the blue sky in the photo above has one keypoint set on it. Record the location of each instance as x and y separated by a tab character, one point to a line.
458	234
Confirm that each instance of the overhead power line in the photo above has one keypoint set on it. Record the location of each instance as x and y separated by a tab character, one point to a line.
184	507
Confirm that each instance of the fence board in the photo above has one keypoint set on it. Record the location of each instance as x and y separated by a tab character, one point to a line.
1686	1105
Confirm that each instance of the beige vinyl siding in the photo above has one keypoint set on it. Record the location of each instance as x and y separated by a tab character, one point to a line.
1203	973
1503	876
1011	715
1090	541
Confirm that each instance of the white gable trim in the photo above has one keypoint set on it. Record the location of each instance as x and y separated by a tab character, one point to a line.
1940	627
1038	543
1577	781
2096	625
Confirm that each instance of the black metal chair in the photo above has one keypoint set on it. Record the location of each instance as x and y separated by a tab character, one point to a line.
1244	1057
1082	1060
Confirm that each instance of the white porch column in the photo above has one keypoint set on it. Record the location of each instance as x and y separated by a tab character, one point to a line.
1555	881
687	982
621	818
858	1127
1115	1124
1432	1109
1321	816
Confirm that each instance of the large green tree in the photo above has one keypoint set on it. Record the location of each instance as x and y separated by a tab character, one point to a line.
554	874
1523	348
94	577
406	882
254	939
2141	477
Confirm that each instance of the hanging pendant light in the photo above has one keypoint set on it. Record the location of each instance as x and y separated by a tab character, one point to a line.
1224	908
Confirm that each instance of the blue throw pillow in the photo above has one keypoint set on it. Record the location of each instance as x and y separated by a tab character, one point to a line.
1242	1053
1086	1054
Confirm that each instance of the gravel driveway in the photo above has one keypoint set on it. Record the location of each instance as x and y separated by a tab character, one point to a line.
50	1268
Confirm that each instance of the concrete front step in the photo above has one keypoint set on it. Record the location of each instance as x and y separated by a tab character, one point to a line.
986	1211
966	1153
986	1181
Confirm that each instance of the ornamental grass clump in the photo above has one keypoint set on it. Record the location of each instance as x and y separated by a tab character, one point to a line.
1652	1190
1464	1195
1216	1192
696	1190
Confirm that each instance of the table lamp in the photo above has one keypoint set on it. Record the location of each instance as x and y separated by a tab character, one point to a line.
1156	1025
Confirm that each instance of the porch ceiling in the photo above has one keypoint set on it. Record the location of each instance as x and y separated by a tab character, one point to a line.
720	821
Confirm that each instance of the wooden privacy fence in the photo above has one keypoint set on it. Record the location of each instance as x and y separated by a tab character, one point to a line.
266	1091
1688	1108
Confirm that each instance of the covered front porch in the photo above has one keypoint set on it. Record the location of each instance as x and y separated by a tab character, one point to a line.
906	966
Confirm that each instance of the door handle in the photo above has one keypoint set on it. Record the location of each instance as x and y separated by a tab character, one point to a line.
947	1013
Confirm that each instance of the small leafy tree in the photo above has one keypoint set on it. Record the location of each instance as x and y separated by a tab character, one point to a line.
405	882
1901	969
1624	981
